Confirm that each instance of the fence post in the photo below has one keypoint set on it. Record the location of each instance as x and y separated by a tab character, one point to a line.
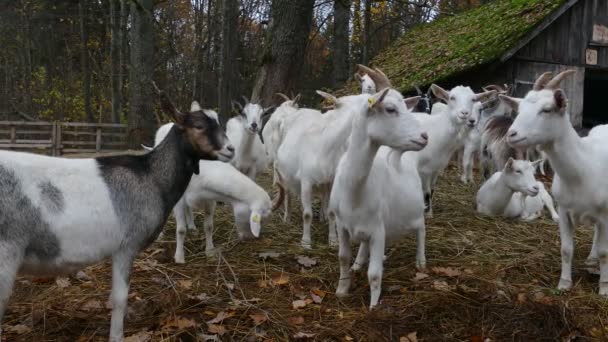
58	138
13	134
53	138
98	140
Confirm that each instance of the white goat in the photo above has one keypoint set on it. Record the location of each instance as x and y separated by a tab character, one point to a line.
242	130
514	192
218	182
368	86
580	185
376	198
445	130
313	144
60	215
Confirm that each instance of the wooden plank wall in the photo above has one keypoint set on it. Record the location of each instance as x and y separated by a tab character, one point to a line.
566	40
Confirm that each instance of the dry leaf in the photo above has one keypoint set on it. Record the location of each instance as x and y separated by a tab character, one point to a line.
347	338
259	318
446	271
92	305
522	298
297	320
230	286
306	261
281	279
178	323
317	295
18	329
216	329
185	284
300	303
142	336
63	282
304	335
441	285
221	316
411	337
263	284
269	255
203	297
82	276
419	276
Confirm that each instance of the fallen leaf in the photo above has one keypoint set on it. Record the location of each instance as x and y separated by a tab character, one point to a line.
92	305
440	285
206	337
185	284
178	323
411	337
18	329
317	295
82	276
281	279
259	318
263	284
522	298
297	320
216	329
419	276
63	282
306	261
230	286
221	316
269	255
142	336
304	335
446	271
347	338
300	303
203	297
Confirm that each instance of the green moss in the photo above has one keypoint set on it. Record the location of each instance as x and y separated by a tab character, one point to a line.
432	52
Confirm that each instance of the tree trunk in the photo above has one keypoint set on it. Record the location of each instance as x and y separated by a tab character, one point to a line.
84	61
284	56
367	31
141	115
115	55
227	84
340	42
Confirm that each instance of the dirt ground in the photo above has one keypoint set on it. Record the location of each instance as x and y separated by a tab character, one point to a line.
488	279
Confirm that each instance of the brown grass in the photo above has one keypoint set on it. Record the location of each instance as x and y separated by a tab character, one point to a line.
505	289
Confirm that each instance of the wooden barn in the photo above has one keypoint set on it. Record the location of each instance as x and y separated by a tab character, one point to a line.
512	42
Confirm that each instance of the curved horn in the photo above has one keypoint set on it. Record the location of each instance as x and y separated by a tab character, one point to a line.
418	90
297	98
246	99
542	80
494	87
555	82
277	201
237	106
379	77
285	97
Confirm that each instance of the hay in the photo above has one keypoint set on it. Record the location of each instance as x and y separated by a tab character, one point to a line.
502	286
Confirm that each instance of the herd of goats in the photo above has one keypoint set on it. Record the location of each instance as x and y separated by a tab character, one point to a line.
372	158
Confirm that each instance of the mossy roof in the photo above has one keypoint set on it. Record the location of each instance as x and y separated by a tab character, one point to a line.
435	51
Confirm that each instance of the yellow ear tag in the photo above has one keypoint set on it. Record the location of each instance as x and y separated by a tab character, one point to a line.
256	218
371	102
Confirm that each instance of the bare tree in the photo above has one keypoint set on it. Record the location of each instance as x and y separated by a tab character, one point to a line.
367	31
227	84
284	56
141	117
84	60
341	42
115	55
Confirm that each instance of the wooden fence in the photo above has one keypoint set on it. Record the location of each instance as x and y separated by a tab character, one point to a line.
60	138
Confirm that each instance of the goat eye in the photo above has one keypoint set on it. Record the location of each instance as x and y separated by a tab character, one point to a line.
452	98
391	110
518	172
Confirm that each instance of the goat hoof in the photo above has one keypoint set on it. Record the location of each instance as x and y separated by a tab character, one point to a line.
180	259
192	228
341	292
212	252
555	219
603	290
306	244
564	285
333	242
356	267
592	265
421	267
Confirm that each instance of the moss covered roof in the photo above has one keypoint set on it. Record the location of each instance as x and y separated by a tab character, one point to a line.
433	52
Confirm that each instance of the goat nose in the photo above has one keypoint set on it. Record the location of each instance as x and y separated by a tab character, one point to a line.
424	136
230	148
472	121
536	188
511	133
254	125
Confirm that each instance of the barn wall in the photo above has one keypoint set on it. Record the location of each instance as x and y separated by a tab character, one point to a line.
566	40
522	75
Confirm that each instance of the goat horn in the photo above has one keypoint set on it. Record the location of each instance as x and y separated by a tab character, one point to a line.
245	98
542	80
379	77
277	201
285	97
494	87
418	90
555	82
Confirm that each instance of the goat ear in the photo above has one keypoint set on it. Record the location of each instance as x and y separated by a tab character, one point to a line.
358	78
236	107
484	96
440	92
195	107
509	165
377	98
561	102
147	148
327	96
512	102
255	223
297	99
536	162
411	102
